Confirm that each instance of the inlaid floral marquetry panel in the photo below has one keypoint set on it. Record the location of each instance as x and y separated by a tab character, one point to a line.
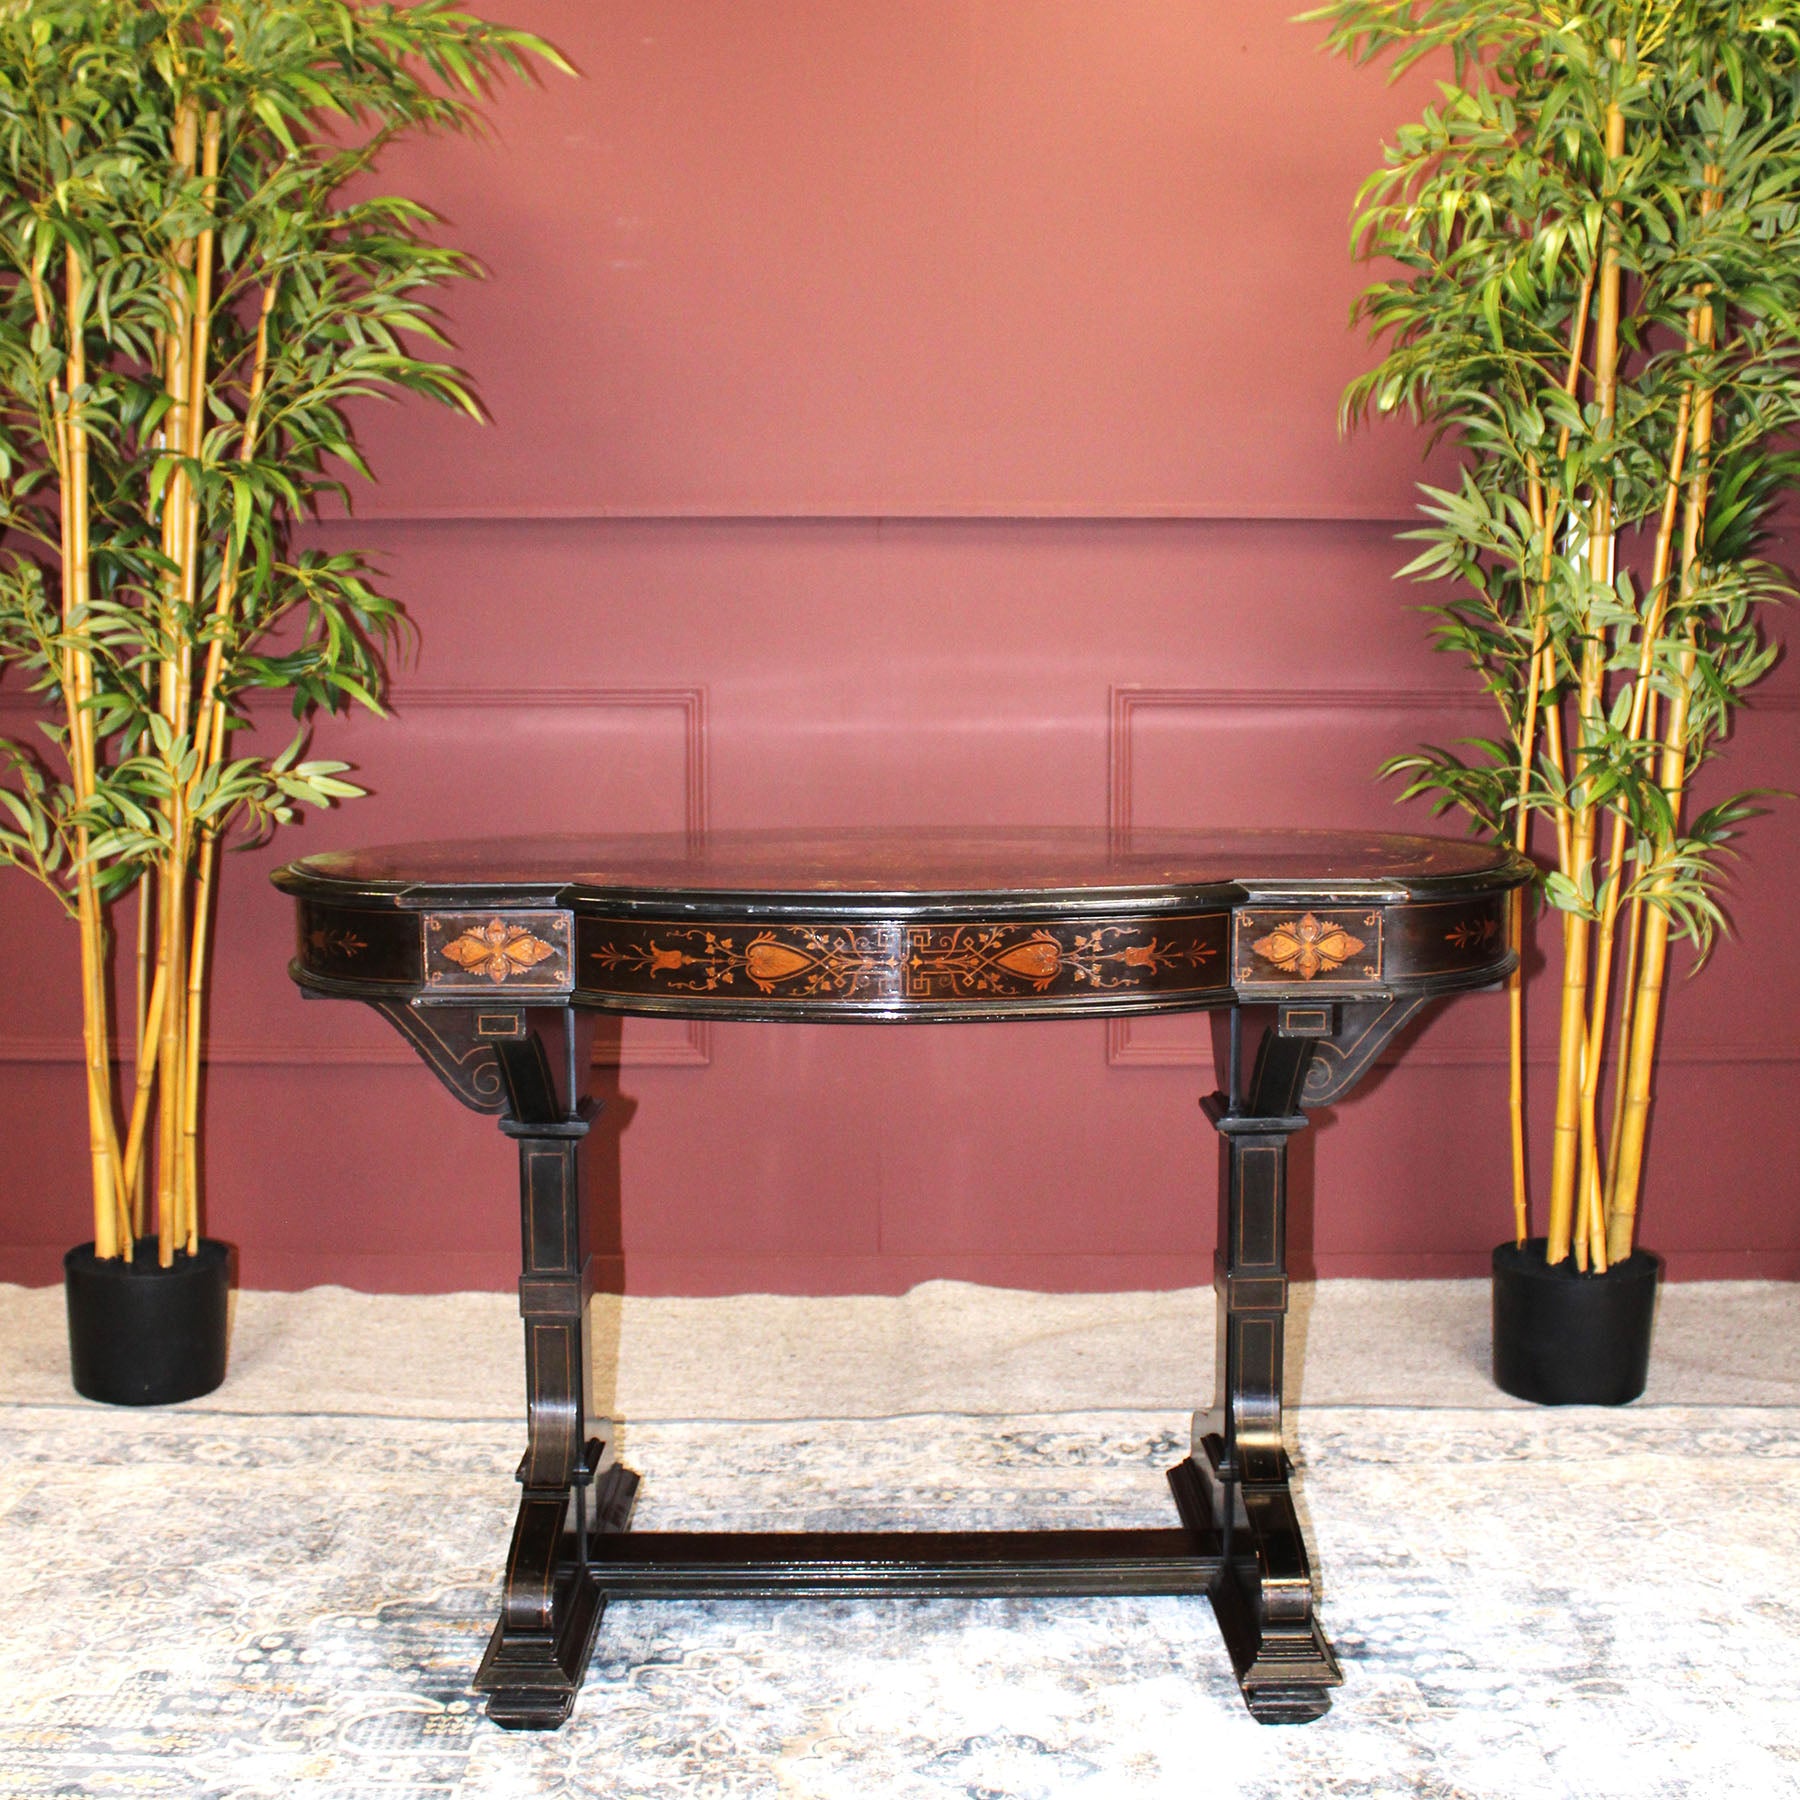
842	962
887	961
479	952
1454	934
953	962
1293	944
349	944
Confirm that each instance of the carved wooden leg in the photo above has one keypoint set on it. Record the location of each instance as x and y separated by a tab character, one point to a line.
550	1607
1236	1480
528	1065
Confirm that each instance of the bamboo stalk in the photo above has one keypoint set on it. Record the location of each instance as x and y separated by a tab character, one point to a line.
193	419
1515	1071
107	1237
1553	751
1642	711
196	1002
170	1066
1515	986
210	746
172	703
210	737
186	1224
1594	1218
112	1219
1664	555
1571	1047
1647	1003
1544	518
112	1223
141	971
177	346
1634	1118
1634	938
203	285
1600	996
145	1085
143	1063
1568	1179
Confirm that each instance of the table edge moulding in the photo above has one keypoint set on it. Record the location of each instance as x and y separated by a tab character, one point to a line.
488	957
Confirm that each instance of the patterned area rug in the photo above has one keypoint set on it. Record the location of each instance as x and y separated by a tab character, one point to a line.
1528	1604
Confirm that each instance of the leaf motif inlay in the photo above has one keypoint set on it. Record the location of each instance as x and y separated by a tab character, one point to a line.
1307	946
1036	961
1474	934
326	941
497	950
766	961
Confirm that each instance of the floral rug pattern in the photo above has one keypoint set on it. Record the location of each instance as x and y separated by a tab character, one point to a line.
226	1607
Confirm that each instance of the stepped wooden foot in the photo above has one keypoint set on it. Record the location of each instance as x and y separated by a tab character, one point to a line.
550	1614
1262	1595
531	1677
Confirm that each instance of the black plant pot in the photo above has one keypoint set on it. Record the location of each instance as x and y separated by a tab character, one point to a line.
1562	1338
142	1335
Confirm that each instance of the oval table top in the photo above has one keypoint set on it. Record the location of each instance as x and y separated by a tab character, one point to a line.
965	863
905	924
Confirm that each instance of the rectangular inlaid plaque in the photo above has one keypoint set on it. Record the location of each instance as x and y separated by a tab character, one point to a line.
1284	946
479	952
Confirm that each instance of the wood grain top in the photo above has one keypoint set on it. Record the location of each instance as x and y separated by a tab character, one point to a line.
938	862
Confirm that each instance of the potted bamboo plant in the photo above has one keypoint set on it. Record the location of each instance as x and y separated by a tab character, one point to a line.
188	301
1596	298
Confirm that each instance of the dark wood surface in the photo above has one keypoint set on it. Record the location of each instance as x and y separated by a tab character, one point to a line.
905	924
961	863
490	957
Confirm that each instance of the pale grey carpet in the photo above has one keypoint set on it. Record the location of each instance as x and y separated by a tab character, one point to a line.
945	1347
283	1590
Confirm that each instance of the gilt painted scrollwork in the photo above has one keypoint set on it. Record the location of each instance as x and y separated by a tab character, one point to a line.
1364	1030
454	1047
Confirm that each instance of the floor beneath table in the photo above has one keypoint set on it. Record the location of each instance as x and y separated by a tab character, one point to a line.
945	1347
282	1590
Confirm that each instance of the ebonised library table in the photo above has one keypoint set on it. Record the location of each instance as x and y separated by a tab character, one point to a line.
487	955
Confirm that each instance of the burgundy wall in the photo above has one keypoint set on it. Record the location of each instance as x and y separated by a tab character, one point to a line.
920	412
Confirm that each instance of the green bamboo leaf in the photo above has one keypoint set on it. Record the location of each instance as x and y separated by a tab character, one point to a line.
1492	211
